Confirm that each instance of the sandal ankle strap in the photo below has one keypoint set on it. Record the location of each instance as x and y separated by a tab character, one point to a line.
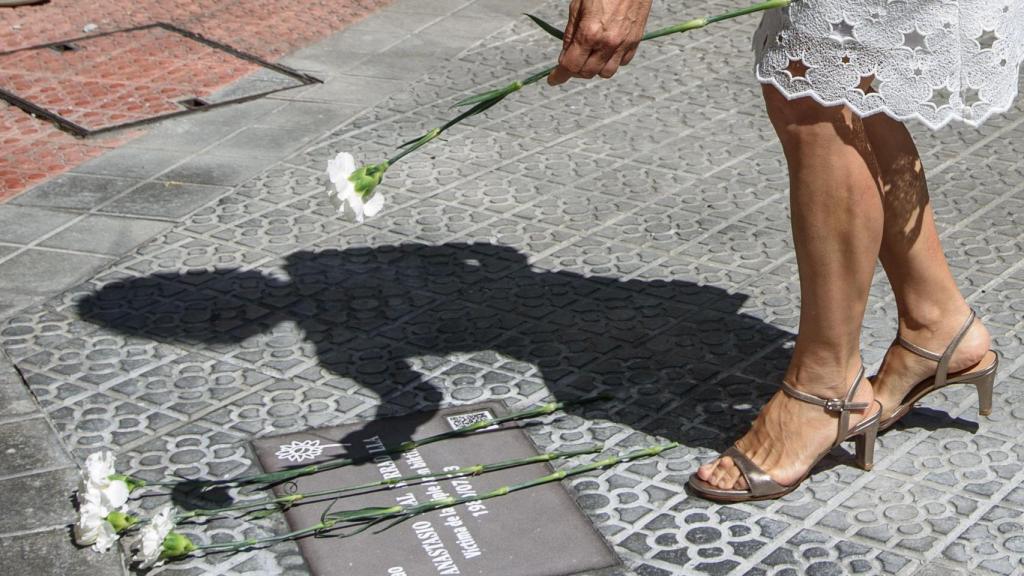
942	372
841	406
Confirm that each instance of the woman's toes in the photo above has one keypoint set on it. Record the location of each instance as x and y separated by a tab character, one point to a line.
720	478
707	470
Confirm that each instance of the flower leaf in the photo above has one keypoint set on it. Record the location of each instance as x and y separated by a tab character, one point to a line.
369	513
550	29
483	97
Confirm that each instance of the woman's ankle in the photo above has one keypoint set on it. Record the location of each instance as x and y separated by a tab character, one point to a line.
930	321
938	333
823	373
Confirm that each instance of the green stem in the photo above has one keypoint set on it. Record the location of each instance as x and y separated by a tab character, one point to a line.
459	473
370	516
409	511
485	100
330	464
249	543
674	29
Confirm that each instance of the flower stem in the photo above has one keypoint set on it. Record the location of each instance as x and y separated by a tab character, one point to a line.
250	542
270	478
485	100
320	494
405	512
373	515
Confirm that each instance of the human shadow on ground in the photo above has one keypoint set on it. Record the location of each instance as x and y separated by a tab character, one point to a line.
388	318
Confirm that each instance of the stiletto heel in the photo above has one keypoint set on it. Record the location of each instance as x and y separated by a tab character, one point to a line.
984	379
866	447
760	485
984	384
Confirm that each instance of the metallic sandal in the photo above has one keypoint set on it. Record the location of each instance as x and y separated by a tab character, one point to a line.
982	379
760	485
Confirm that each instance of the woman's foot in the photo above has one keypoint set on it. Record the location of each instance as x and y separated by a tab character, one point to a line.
788	436
902	369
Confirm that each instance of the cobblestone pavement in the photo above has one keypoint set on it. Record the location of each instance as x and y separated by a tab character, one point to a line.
629	237
35	151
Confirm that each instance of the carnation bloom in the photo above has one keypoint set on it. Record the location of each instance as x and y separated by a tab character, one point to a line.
151	538
101	484
93	527
353	191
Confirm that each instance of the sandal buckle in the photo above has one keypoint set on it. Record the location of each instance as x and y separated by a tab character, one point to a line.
835	405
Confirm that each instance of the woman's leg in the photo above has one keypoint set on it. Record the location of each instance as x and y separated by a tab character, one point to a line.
837	231
931	308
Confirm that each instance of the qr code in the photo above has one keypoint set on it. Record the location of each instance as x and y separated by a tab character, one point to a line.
457	421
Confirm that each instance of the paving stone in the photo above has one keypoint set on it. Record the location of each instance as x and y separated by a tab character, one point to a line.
992	544
108	235
213	170
168	200
24	225
34	496
29	445
33	273
271	142
813	552
61	557
15	400
131	163
75	192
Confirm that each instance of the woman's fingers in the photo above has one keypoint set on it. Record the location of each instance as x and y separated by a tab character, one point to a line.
629	54
601	36
613	63
570	63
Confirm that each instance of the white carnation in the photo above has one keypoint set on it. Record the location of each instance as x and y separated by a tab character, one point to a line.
344	196
152	535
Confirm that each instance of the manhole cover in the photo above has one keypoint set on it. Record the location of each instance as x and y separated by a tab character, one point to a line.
128	77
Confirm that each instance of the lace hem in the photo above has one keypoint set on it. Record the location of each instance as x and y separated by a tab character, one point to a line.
934	61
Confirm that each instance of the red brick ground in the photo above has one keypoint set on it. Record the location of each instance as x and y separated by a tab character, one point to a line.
32	150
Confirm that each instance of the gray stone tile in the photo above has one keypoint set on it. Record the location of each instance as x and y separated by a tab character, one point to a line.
213	170
131	162
61	557
992	544
110	235
310	116
74	192
175	199
25	224
43	272
15	399
183	135
44	497
8	249
350	46
346	89
394	66
814	552
270	142
29	445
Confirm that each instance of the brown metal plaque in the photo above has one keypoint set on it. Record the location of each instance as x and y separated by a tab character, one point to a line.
535	532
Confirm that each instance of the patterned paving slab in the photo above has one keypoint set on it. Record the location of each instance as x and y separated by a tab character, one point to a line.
627	237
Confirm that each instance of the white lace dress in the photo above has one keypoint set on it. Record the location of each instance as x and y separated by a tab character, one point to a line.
933	60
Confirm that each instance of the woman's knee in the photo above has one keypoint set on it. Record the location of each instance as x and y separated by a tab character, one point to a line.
804	120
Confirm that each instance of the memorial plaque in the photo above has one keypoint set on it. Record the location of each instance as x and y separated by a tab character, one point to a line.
535	532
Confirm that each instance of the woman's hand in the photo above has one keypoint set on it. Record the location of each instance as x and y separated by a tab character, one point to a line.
601	36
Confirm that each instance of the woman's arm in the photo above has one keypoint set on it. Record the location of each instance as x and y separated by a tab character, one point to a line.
601	36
